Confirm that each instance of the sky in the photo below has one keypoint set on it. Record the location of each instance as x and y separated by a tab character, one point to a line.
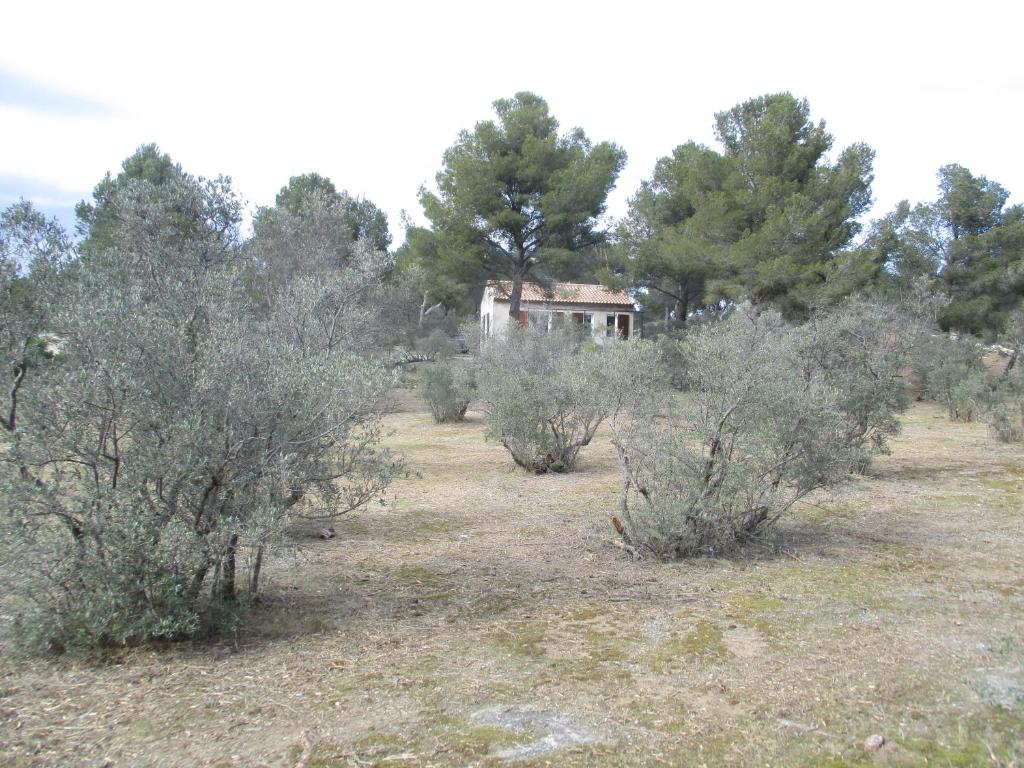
371	94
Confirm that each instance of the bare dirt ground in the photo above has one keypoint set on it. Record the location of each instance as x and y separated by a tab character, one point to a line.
483	616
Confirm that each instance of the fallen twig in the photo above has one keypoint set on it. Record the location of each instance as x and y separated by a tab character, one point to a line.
307	750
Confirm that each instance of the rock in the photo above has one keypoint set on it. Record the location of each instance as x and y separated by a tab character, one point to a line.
561	732
325	533
874	743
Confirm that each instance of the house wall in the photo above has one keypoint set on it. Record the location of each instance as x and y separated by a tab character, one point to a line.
494	315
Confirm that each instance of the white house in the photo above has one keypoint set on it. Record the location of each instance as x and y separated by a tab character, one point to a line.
609	314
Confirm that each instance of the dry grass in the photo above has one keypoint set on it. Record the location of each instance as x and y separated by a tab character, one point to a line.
893	607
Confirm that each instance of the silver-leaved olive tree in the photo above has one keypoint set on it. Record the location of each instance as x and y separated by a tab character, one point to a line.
194	399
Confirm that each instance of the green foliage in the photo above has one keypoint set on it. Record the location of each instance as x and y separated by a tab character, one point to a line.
678	229
424	272
969	204
966	241
772	413
186	419
545	397
363	219
1003	409
895	255
765	219
448	390
435	345
860	348
96	220
515	198
33	249
984	275
951	372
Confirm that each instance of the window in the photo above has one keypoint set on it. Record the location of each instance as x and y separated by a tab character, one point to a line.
609	331
538	319
588	320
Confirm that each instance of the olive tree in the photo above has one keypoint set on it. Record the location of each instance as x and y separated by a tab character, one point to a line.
952	373
757	430
186	418
1002	405
32	251
861	348
448	389
543	395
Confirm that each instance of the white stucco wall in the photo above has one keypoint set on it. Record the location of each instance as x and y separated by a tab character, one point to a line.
494	315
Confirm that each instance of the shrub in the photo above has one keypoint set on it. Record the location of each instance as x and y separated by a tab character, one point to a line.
545	396
540	397
447	390
951	373
186	420
434	346
758	430
860	348
1003	408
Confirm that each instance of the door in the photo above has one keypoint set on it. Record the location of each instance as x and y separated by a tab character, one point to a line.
622	326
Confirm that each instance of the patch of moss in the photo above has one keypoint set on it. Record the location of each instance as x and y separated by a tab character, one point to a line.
862	585
704	641
494	603
428	521
603	648
274	625
755	603
584	670
523	638
448	740
756	610
419	575
586	613
965	755
990	737
835	761
314	625
661	715
351	526
1001	484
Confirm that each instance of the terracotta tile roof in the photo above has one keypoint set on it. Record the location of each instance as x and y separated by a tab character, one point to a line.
565	293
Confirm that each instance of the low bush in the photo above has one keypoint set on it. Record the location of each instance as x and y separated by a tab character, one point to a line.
542	397
764	423
187	419
951	372
546	394
1003	408
447	390
861	348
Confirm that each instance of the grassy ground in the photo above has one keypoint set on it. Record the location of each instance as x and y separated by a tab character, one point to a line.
483	614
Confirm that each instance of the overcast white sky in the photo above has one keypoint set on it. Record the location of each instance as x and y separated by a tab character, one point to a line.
371	95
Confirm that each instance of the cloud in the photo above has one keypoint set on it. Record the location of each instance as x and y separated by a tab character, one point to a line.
53	201
21	92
